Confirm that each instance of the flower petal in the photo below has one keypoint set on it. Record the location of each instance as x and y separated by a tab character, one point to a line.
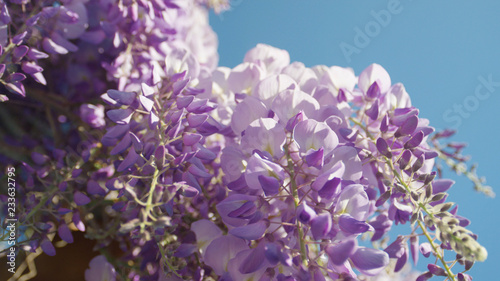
252	231
340	252
370	261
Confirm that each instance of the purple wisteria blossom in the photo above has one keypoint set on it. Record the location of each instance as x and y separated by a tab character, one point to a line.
177	168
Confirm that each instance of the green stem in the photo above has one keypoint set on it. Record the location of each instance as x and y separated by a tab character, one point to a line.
435	249
165	258
408	190
149	202
296	200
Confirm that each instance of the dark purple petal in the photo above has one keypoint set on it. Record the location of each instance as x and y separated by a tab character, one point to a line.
76	172
436	270
414	141
427	130
238	184
63	185
200	106
382	224
372	112
78	222
383	148
350	225
401	115
81	199
179	86
272	253
463	221
65	233
430	154
129	161
30	68
16	88
120	116
206	154
138	146
414	249
305	213
63	211
160	154
464	277
270	185
445	133
254	260
114	184
348	134
315	158
35	54
33	20
418	163
125	143
185	250
408	127
199	172
373	91
232	203
400	263
330	188
404	160
190	139
396	248
19	52
252	231
189	191
384	124
195	120
441	185
94	188
340	252
19	38
292	122
424	277
210	127
341	96
246	210
370	261
124	98
176	116
117	131
183	102
321	226
15	77
425	249
47	247
52	48
39	158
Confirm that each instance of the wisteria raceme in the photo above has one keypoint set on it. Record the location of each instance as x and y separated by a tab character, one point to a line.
270	170
317	157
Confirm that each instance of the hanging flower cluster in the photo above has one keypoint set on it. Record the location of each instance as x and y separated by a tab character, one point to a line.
267	171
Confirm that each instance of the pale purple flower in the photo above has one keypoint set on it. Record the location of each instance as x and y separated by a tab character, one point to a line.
221	251
370	261
100	270
93	115
269	58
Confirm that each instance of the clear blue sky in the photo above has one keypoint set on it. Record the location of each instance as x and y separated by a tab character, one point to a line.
437	49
